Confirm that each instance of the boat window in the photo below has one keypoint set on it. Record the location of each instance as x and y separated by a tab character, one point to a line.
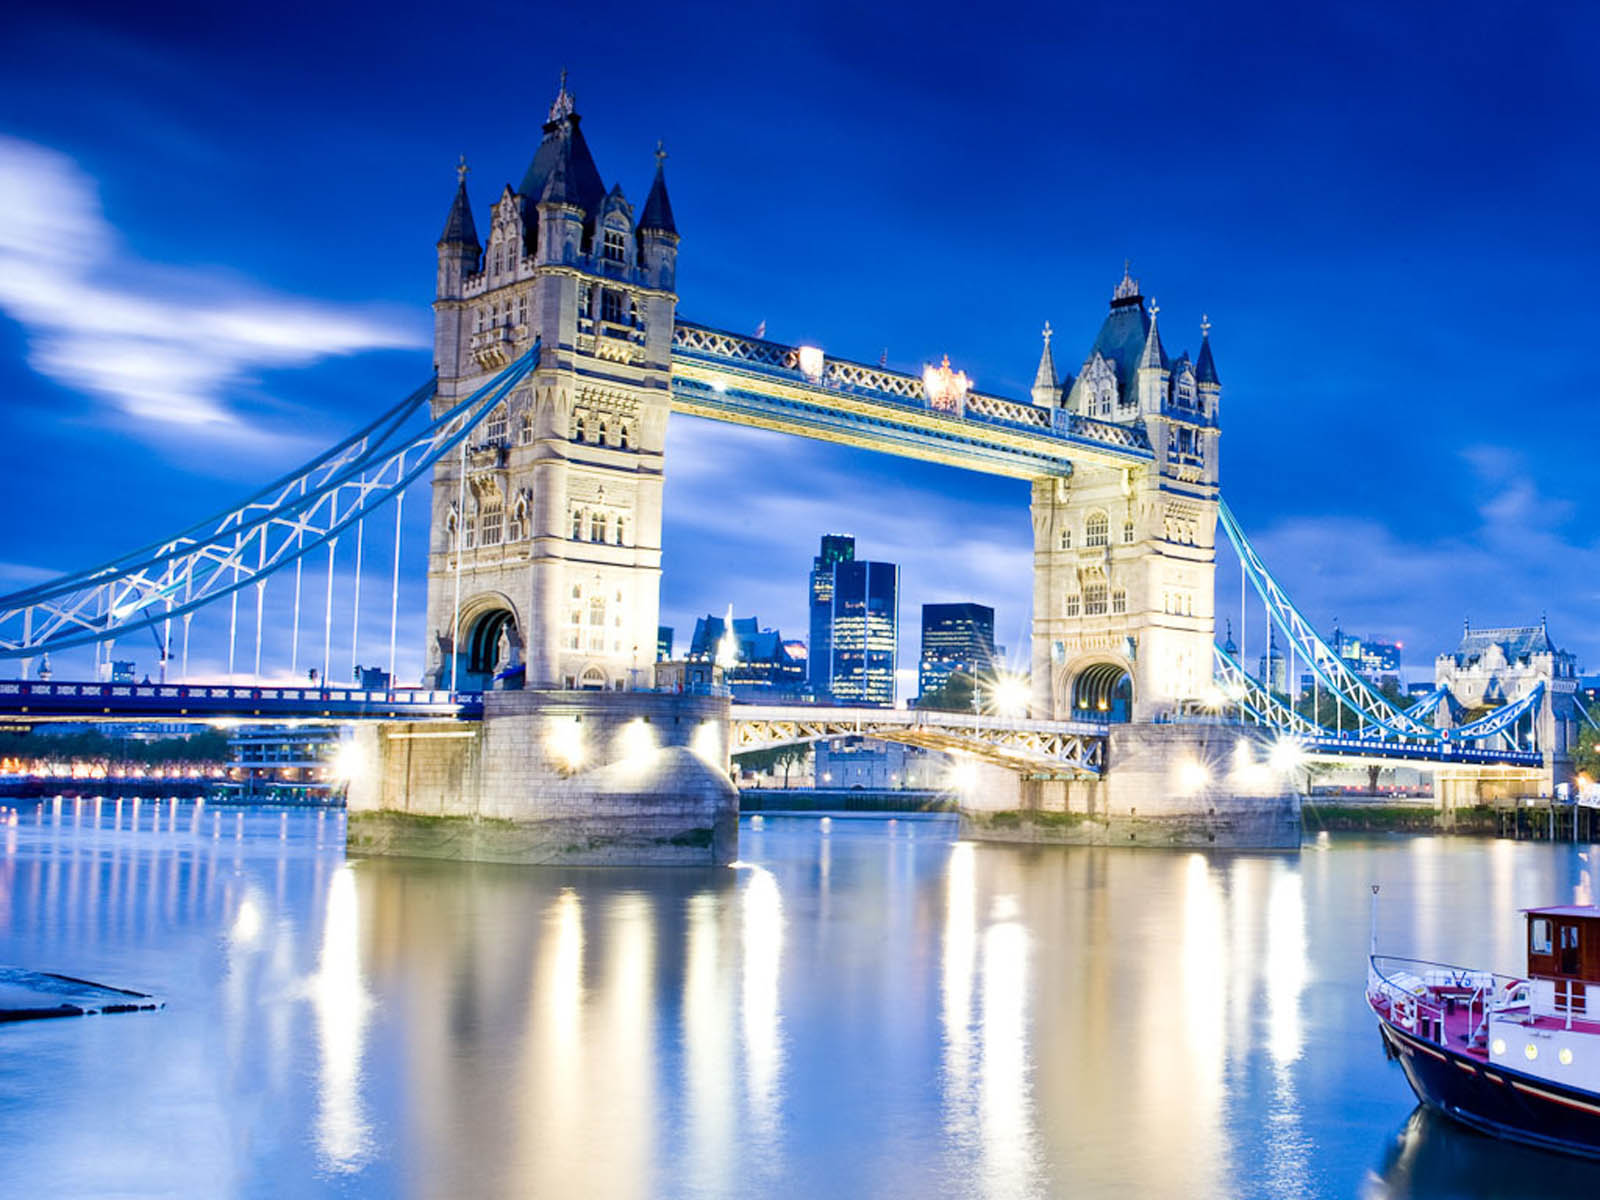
1539	936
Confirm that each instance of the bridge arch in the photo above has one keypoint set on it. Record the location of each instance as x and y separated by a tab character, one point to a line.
1101	689
491	641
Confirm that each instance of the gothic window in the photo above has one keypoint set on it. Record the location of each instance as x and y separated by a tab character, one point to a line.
1066	539
516	529
623	438
1127	533
579	433
611	305
1072	604
522	310
577	533
577	593
620	523
1096	530
1094	600
603	433
597	611
1119	601
633	313
597	527
494	429
492	520
616	248
525	429
497	260
477	317
469	533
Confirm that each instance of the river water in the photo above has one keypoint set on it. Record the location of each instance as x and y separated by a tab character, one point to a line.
861	1007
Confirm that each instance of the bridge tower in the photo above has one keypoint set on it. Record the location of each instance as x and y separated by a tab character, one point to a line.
1124	557
545	550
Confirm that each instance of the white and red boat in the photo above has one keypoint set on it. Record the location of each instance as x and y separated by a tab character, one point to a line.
1515	1057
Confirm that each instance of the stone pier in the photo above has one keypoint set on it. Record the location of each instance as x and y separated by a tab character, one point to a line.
1178	785
572	778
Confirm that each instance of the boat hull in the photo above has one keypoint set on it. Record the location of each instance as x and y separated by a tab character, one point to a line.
1507	1104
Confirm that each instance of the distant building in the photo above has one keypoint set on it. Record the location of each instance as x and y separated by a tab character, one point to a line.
1372	658
1272	668
663	643
276	764
865	634
955	637
836	548
851	763
765	668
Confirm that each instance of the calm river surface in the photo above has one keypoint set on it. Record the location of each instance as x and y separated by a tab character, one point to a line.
862	1007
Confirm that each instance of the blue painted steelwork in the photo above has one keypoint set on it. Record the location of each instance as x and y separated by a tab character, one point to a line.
57	700
269	531
1343	682
763	383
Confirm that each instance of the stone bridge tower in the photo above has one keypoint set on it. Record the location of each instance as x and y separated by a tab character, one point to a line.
1124	558
548	527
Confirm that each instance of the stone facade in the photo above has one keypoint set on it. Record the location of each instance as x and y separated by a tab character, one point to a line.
552	777
1124	557
546	531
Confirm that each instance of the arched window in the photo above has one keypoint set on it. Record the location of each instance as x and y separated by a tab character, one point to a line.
615	246
621	521
477	317
517	526
1071	607
497	260
469	533
577	591
1127	533
1096	530
522	310
1066	539
623	439
1094	600
594	679
603	433
577	535
597	611
492	520
1119	601
597	527
525	430
578	432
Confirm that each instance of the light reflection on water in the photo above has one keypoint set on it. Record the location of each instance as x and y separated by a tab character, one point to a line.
862	1007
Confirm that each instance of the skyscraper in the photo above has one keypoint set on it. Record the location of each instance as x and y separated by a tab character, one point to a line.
866	629
836	548
955	637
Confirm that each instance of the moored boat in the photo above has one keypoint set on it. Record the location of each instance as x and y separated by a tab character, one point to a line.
1516	1057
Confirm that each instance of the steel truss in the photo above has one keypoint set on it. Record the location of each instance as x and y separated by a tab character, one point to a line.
280	524
1048	747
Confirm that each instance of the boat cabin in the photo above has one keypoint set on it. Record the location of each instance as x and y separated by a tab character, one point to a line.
1564	946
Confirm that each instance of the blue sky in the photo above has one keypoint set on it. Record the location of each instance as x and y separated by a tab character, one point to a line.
216	255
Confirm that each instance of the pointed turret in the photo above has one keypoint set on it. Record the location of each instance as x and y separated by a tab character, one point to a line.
657	208
459	229
1153	355
1046	388
1205	368
459	248
1150	374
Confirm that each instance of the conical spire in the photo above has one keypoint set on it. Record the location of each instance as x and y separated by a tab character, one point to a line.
458	227
657	208
1045	384
1153	355
556	189
1205	369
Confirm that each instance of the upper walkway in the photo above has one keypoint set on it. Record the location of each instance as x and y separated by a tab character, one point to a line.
66	701
799	390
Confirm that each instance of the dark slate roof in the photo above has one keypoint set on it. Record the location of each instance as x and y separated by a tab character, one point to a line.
458	227
657	208
1121	340
1205	370
1515	643
563	145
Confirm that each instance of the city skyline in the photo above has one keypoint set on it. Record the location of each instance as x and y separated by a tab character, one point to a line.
323	293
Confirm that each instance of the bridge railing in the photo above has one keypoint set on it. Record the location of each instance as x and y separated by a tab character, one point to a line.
202	699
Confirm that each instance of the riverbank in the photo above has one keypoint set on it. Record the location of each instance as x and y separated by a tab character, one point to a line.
896	800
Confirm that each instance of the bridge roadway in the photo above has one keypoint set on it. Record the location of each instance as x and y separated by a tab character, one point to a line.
1074	748
92	701
797	390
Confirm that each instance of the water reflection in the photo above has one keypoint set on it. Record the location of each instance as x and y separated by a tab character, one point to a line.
861	1009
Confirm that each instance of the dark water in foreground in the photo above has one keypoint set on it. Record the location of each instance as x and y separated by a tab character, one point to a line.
864	1007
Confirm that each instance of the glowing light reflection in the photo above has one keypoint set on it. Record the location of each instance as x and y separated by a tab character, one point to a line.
342	1005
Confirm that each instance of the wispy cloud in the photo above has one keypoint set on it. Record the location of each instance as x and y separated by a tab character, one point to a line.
162	345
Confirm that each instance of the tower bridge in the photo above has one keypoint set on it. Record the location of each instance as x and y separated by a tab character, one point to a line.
558	357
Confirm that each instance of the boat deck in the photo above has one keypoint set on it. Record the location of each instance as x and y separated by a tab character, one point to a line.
1444	1016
